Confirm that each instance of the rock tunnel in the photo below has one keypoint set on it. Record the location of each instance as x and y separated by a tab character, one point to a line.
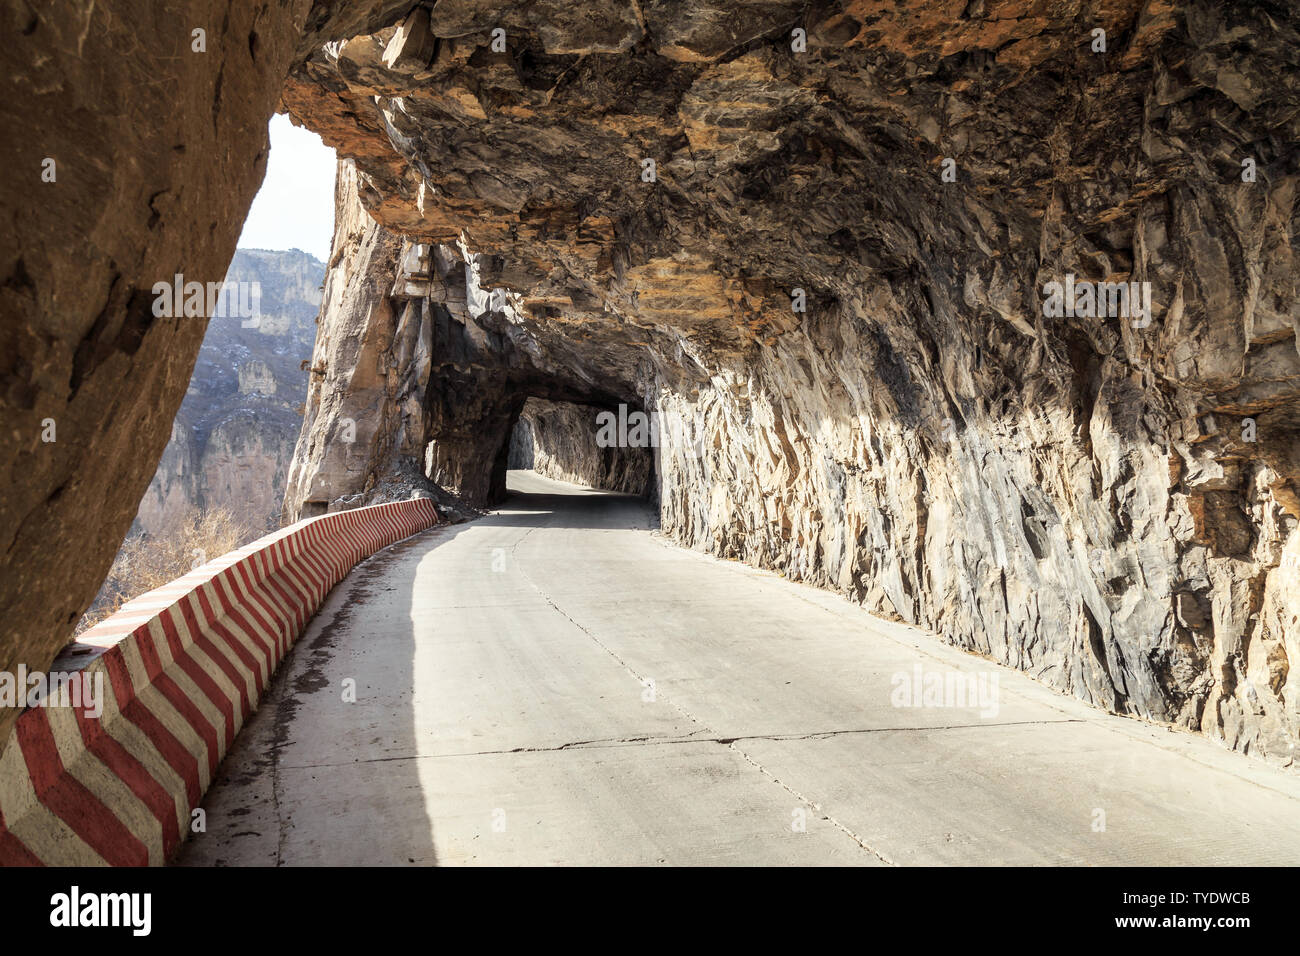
813	242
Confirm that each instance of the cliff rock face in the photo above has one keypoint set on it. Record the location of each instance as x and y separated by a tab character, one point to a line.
565	441
818	244
234	434
370	361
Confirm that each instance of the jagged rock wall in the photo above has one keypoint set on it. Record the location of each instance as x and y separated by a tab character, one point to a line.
1108	504
563	441
370	358
1103	574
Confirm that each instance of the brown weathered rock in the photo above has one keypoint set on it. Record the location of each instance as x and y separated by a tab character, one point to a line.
158	151
355	383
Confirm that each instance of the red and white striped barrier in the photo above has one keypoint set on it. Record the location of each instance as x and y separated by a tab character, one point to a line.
180	669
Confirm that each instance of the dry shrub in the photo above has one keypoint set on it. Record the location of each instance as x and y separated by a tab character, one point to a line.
148	561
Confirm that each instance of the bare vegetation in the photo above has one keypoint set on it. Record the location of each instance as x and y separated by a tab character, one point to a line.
149	561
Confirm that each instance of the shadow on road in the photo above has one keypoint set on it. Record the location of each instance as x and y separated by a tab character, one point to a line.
581	508
292	790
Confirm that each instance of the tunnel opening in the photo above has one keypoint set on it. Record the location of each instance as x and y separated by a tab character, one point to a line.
487	373
575	442
220	480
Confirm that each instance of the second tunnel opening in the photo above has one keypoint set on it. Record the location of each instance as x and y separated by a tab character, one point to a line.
584	445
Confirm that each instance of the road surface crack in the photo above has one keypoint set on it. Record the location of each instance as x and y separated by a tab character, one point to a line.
645	682
694	737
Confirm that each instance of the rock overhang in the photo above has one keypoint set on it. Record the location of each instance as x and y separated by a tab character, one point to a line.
657	186
888	440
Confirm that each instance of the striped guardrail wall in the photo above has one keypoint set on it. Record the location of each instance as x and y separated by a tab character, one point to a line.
180	668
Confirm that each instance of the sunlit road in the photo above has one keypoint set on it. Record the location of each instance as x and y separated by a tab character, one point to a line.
556	684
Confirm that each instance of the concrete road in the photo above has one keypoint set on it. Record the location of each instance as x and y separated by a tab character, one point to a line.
556	684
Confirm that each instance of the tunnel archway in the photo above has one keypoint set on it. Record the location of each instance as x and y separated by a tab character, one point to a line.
479	386
580	443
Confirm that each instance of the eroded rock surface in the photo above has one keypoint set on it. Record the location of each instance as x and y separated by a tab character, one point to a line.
1106	503
132	153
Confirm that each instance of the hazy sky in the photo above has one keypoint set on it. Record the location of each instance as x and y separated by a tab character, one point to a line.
295	207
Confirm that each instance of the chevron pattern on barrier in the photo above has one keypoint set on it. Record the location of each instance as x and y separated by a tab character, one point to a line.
180	668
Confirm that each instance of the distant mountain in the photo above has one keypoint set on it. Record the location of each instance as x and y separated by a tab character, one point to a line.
233	437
